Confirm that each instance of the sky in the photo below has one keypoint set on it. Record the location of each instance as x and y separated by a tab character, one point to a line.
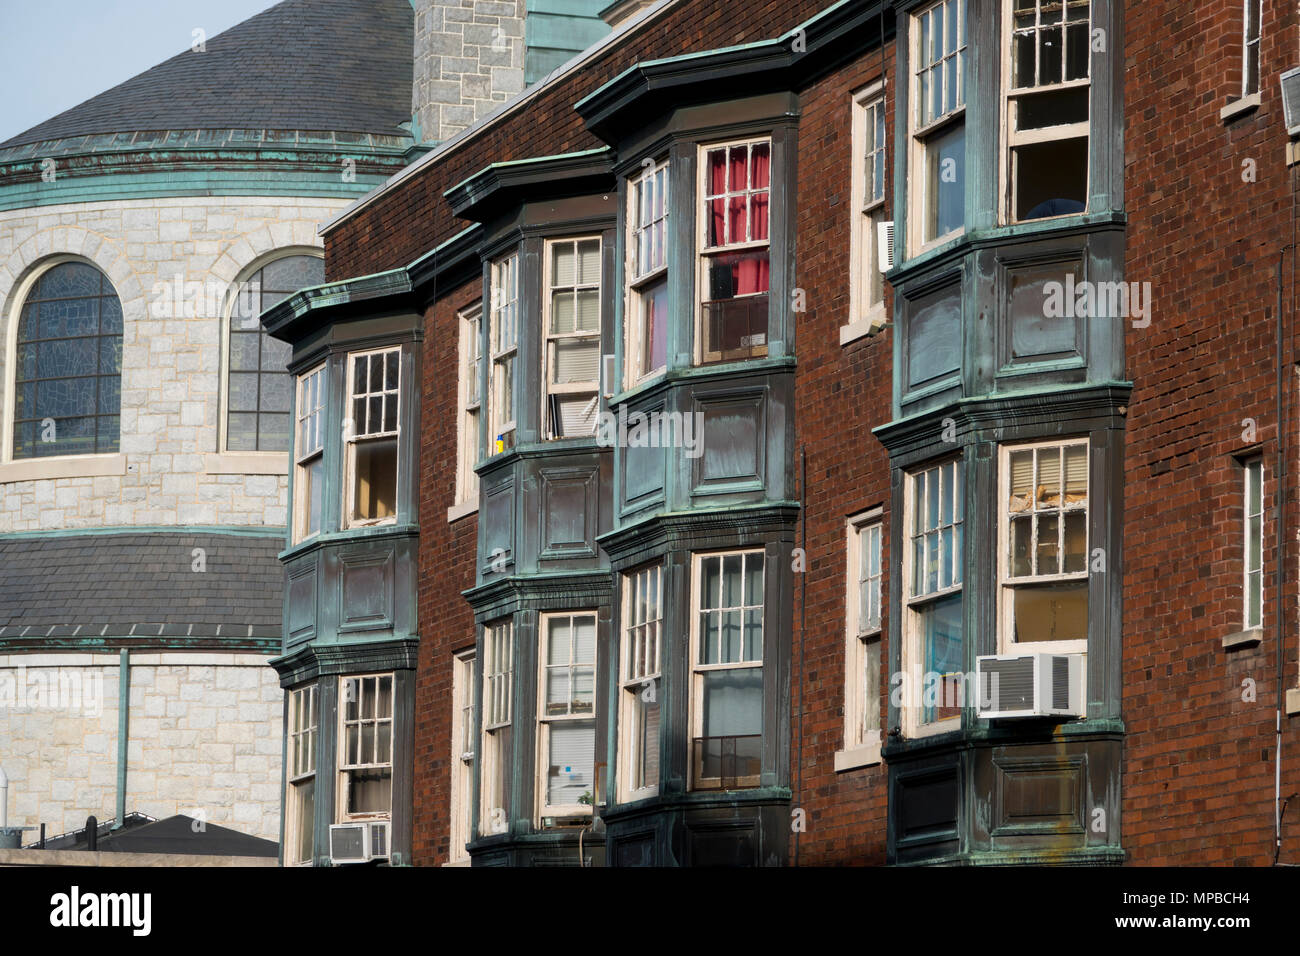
55	54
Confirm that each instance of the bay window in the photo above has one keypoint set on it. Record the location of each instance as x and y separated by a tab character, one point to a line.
727	670
735	265
504	342
1044	572
1046	98
498	685
566	723
646	344
639	684
572	323
309	477
300	815
372	435
366	746
938	121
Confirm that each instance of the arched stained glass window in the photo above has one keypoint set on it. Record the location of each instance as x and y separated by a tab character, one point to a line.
67	385
260	391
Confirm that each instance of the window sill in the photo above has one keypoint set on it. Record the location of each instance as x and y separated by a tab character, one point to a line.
72	466
1293	701
247	463
1239	107
463	510
1248	638
865	756
869	324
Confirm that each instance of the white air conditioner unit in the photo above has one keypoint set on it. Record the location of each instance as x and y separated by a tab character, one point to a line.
358	842
1030	685
1291	100
885	244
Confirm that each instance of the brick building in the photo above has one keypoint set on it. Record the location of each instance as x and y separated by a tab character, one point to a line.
718	410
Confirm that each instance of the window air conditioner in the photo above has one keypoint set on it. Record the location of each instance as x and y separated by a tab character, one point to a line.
1031	685
358	842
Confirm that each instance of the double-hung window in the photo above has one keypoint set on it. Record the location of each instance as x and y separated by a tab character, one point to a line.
933	648
504	343
566	721
498	686
1252	19
366	746
1045	547
735	260
727	670
867	283
1253	473
372	436
938	120
471	367
862	635
300	818
1047	96
572	336
646	345
309	478
462	754
639	683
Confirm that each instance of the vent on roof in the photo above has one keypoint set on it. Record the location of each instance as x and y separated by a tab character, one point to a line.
1291	100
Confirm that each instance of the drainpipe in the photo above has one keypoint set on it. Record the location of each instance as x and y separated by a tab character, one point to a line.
123	708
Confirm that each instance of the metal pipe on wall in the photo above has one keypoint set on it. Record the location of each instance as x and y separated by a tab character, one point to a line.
123	710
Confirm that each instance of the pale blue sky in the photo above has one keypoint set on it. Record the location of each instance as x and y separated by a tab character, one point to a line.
55	54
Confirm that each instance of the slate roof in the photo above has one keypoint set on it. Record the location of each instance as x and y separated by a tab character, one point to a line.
67	591
178	834
342	65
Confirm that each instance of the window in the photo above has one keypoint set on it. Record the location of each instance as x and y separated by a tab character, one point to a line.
1254	543
647	310
1252	18
566	723
1047	108
505	348
471	368
309	480
67	385
300	816
938	154
867	283
933	648
735	189
862	634
259	388
366	741
498	685
639	685
727	690
372	434
572	337
462	754
1045	547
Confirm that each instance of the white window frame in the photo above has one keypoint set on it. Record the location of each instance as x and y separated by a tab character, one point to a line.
913	650
923	129
868	208
550	339
547	722
1252	472
496	713
469	405
353	436
635	361
1013	138
1006	583
747	244
300	759
503	349
863	642
463	748
344	768
696	723
640	673
1251	8
308	447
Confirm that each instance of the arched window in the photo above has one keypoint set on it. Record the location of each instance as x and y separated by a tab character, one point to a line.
260	392
68	380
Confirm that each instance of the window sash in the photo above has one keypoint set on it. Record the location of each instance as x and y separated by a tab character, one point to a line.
754	200
648	214
563	417
498	674
462	755
1070	470
311	413
471	366
381	411
1253	544
1252	30
939	55
303	731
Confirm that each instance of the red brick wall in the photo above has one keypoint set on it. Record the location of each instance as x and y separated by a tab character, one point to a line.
1198	779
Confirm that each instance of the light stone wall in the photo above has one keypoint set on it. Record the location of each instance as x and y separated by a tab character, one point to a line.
469	59
203	739
171	365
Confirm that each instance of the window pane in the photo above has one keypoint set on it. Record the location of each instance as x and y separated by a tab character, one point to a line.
375	482
945	182
943	658
733	702
569	776
1057	613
